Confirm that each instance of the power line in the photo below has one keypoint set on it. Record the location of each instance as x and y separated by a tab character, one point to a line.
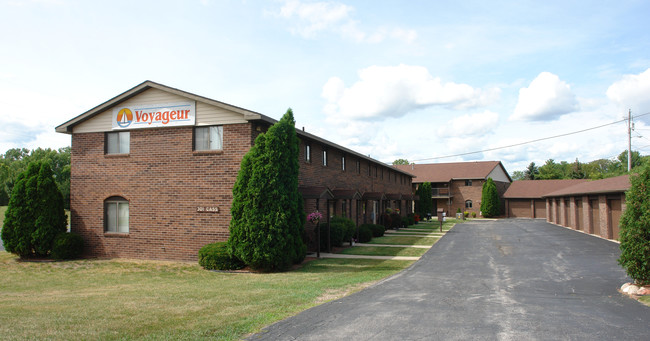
531	141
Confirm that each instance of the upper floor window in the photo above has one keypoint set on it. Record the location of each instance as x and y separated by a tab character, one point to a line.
468	182
343	163
116	213
208	138
369	170
307	152
118	142
324	157
358	167
468	204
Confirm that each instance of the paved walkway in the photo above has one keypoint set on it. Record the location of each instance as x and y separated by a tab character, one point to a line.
495	280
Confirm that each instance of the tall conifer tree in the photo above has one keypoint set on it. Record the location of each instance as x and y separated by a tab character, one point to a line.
267	210
490	205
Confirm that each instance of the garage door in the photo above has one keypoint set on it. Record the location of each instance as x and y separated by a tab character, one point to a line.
540	209
595	216
579	218
519	208
614	216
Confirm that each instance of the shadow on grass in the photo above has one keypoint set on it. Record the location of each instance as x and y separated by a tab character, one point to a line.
338	265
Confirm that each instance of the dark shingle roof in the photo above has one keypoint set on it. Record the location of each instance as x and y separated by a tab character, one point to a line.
445	172
617	184
537	188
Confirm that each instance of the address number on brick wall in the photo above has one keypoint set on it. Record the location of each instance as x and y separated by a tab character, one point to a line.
207	209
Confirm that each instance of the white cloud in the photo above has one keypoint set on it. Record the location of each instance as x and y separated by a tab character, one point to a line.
312	18
545	99
478	124
394	91
633	92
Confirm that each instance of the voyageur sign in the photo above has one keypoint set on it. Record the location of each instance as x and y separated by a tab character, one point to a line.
154	115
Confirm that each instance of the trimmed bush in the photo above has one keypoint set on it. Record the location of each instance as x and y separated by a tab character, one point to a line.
395	220
342	230
473	214
466	213
635	229
405	222
216	256
411	219
67	246
365	234
377	230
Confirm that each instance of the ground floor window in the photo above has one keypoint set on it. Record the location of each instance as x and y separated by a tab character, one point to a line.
116	211
468	204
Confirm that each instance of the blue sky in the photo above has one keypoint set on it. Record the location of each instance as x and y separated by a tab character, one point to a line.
390	79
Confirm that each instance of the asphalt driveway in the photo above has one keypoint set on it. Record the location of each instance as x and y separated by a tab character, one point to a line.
514	279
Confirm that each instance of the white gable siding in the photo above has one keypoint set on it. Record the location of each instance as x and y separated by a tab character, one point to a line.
205	114
497	174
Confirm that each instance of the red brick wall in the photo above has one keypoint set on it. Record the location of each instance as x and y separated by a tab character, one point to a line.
164	182
313	173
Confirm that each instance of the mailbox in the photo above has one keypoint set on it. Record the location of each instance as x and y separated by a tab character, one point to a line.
441	214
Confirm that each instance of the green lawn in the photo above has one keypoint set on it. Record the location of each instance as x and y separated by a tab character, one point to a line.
126	299
385	251
3	209
403	240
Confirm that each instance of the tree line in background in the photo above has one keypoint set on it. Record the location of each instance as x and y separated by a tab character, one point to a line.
597	169
16	161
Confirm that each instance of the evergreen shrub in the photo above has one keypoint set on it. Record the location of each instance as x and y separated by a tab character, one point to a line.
411	219
216	256
365	234
395	220
341	230
267	225
377	230
67	246
490	204
635	229
36	213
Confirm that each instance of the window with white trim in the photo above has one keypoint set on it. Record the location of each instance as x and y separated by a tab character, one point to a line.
208	138
343	163
118	142
324	157
308	152
116	215
468	204
468	182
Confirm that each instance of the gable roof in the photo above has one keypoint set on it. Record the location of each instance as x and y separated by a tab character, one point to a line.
445	172
67	127
617	184
537	188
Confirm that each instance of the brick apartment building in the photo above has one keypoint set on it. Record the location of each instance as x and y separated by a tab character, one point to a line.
457	185
153	170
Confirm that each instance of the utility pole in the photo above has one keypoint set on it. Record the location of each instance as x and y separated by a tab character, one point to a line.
629	140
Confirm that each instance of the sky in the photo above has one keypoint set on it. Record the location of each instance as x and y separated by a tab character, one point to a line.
427	81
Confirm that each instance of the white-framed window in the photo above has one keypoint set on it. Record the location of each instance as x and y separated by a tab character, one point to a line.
116	215
468	204
307	152
118	142
343	163
208	138
324	157
468	182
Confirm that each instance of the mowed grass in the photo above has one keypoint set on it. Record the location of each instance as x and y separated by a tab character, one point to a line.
152	300
403	240
3	209
385	251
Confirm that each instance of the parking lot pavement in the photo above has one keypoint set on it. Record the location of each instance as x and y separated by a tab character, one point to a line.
495	280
